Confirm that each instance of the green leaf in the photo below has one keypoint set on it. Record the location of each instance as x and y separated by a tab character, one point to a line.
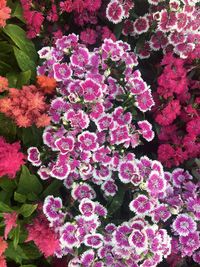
117	201
28	183
17	254
24	61
16	236
28	265
18	12
12	78
31	251
7	185
19	197
52	189
23	78
27	209
118	29
7	127
31	136
18	36
4	207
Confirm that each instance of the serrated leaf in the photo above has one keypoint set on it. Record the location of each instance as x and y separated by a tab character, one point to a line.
19	197
27	209
28	183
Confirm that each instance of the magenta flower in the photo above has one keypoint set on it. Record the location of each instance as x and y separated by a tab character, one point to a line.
51	207
121	235
138	239
80	58
144	101
87	207
127	171
109	187
138	86
87	258
141	205
193	204
68	236
161	213
146	130
65	144
179	176
61	71
155	184
141	25
101	155
34	156
93	240
77	119
81	191
88	141
91	90
184	224
104	122
60	171
119	135
189	243
115	11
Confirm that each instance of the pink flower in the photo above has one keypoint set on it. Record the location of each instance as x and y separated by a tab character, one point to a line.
155	184
146	130
61	71
93	240
141	205
89	36
189	243
138	239
138	86
141	25
87	258
38	232
144	101
68	237
77	119
9	153
114	11
91	90
82	191
127	171
65	144
87	207
10	222
80	58
184	224
88	141
109	187
51	207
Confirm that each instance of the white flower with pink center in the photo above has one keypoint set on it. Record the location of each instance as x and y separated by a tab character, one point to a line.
88	141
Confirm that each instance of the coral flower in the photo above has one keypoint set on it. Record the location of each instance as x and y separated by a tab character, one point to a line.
47	84
4	13
3	84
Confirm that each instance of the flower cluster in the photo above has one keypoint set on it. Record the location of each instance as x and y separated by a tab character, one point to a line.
168	25
53	20
93	119
9	153
26	106
128	244
4	13
177	112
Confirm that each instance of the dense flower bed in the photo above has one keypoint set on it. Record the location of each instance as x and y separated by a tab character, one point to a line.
99	133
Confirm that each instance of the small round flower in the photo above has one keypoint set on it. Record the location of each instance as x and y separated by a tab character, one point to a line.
60	171
109	187
161	213
179	176
184	224
138	240
114	11
144	101
141	25
146	130
51	207
100	210
127	170
196	256
65	144
189	243
34	156
141	205
87	258
87	207
88	141
61	71
155	184
93	240
81	191
91	90
68	235
138	86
